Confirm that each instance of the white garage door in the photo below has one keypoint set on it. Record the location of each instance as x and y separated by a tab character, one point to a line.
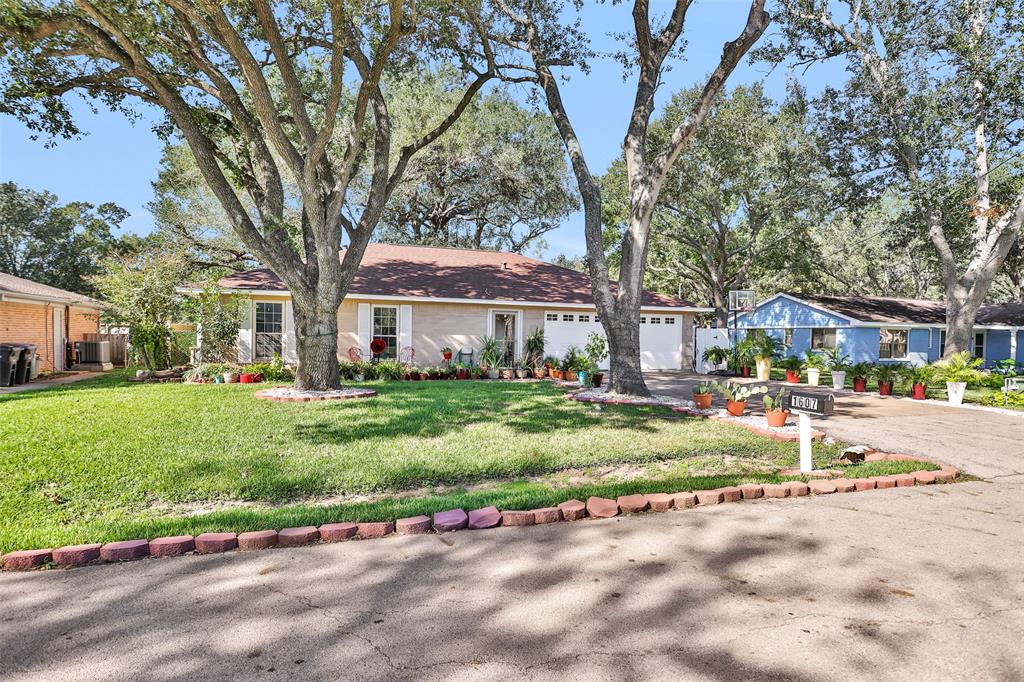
660	336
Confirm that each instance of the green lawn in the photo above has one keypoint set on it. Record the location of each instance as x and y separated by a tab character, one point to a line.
107	459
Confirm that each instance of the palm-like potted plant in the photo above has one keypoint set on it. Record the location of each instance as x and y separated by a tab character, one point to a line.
861	371
814	363
571	364
792	365
702	394
765	348
715	356
773	411
919	377
838	365
886	374
743	356
736	396
534	352
957	371
490	356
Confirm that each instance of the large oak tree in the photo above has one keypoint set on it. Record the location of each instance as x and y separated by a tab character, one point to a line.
263	93
536	28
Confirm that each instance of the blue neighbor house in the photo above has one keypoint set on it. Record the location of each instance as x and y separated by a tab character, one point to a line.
879	329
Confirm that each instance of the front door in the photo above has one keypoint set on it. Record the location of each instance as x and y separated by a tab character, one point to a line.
505	335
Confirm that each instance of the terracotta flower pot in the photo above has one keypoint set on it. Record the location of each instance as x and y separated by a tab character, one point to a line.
745	372
447	355
424	376
736	407
508	374
918	391
792	376
860	384
776	418
571	376
557	374
703	400
884	388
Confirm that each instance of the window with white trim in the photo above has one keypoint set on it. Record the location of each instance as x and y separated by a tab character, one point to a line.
942	343
584	318
670	320
643	320
787	336
551	317
269	327
385	327
979	344
892	343
567	318
823	339
655	320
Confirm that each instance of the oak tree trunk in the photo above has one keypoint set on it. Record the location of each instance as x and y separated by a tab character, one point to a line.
316	344
962	307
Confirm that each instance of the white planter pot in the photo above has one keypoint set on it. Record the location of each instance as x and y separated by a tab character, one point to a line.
838	379
492	372
955	392
813	376
764	368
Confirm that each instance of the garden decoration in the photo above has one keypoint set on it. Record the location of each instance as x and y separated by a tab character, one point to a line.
377	346
702	394
774	411
957	371
736	396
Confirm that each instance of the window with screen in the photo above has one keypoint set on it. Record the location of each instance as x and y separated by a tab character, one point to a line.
823	339
892	344
385	328
269	328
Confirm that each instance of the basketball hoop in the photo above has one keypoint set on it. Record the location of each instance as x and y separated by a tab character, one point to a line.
741	300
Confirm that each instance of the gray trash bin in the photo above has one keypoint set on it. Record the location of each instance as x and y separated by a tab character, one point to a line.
9	354
33	372
28	351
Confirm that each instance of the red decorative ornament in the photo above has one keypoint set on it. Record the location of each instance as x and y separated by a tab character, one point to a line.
377	346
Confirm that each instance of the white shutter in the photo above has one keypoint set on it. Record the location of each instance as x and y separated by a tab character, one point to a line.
404	327
244	345
519	335
290	352
365	321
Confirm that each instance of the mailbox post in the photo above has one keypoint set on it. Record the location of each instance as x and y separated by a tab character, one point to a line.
805	405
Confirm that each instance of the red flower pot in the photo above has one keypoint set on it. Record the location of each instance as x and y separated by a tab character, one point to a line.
736	407
447	355
884	388
463	374
745	372
776	418
702	400
860	384
247	378
792	376
917	391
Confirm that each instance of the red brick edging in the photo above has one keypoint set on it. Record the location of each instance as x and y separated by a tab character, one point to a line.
458	519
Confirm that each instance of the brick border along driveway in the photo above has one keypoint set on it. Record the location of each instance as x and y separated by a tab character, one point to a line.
980	442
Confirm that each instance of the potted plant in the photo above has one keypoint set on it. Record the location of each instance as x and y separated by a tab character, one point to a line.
918	378
461	371
838	364
861	371
596	352
736	396
507	373
247	378
886	374
522	372
377	346
813	363
571	363
957	371
715	356
742	356
792	365
702	394
230	377
533	352
773	411
490	356
765	348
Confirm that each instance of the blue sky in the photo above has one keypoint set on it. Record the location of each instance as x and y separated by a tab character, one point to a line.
118	159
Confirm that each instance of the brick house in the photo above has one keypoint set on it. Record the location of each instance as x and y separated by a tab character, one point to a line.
45	316
426	298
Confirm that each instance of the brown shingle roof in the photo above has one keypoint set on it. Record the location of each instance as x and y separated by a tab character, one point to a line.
887	310
433	272
17	286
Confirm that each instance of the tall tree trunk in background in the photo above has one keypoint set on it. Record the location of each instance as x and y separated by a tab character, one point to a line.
619	303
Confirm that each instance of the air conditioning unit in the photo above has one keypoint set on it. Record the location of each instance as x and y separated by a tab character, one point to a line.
92	351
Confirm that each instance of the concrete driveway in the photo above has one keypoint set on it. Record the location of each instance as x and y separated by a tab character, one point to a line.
885	585
985	443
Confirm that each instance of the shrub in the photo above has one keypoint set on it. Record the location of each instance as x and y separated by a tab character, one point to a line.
274	370
960	367
1014	398
389	369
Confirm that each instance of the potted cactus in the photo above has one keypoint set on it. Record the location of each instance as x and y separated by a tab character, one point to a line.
773	411
861	371
792	365
736	396
702	394
886	375
814	363
957	371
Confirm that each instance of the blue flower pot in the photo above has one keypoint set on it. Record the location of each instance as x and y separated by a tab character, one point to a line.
583	377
